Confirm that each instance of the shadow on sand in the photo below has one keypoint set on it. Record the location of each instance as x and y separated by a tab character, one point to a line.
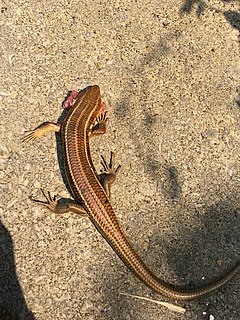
12	301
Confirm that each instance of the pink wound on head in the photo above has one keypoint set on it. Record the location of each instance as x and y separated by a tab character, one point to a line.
68	103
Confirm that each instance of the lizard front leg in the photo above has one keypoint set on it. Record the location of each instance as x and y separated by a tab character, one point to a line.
48	126
108	176
100	127
43	128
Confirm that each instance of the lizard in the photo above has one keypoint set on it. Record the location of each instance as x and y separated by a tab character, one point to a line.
86	118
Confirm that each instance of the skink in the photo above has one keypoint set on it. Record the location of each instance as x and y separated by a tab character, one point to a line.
86	117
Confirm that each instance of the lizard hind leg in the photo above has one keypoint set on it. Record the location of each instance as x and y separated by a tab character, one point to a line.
61	205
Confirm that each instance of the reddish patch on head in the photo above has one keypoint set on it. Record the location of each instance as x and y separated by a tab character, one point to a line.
69	102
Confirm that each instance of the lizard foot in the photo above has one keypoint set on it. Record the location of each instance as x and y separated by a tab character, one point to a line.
31	135
102	118
109	168
50	203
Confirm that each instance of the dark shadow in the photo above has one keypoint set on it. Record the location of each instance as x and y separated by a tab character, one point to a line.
60	152
11	295
210	252
233	17
190	4
238	101
170	186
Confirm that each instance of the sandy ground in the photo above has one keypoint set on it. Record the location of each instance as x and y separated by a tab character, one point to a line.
169	72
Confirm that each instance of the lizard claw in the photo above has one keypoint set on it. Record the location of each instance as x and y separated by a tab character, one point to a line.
50	203
108	175
109	168
102	117
31	135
